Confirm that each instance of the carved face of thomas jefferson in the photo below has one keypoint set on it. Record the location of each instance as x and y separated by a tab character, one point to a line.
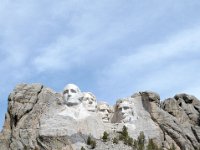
89	101
71	94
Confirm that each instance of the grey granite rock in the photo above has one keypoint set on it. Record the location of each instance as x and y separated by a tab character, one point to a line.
39	119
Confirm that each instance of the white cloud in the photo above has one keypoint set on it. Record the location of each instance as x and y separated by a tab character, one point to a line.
92	30
161	66
80	28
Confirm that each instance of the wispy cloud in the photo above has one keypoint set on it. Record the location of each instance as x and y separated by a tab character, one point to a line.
93	31
166	67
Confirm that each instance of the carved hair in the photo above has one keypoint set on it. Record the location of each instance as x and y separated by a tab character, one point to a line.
104	103
71	86
116	109
91	94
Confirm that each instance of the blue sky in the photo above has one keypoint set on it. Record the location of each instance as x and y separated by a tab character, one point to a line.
112	48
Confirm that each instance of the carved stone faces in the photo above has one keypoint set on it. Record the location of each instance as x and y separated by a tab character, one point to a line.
81	104
71	94
89	101
104	110
124	111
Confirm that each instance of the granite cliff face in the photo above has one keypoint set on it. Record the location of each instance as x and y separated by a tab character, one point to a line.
38	118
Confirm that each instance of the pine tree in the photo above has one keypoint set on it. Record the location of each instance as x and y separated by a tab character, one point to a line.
151	145
105	136
93	144
172	147
130	141
82	148
141	140
89	140
125	132
115	140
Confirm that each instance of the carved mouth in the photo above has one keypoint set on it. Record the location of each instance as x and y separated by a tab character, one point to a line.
72	103
105	118
124	116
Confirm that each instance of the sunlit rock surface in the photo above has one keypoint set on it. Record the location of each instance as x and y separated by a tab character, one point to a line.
39	118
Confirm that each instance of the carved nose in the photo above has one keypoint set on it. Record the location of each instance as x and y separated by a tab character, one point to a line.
90	102
123	112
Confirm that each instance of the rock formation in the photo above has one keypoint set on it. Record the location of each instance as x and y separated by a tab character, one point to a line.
39	118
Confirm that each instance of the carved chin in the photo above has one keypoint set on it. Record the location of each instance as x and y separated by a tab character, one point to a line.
105	119
91	109
124	116
126	119
71	102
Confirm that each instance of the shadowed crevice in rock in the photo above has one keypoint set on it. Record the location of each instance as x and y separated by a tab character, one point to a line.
197	108
48	142
15	120
175	136
195	134
162	128
191	141
11	120
145	102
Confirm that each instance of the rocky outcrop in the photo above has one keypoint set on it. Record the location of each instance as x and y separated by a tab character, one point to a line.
27	104
39	118
177	117
185	109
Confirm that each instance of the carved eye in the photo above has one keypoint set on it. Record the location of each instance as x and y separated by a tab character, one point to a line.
73	91
125	108
66	91
102	110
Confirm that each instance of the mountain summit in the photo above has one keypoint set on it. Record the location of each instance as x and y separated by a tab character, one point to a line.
39	118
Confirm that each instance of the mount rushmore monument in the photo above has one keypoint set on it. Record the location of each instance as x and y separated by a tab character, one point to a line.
39	118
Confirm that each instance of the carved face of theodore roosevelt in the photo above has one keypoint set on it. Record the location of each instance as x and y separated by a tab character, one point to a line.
104	110
71	94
